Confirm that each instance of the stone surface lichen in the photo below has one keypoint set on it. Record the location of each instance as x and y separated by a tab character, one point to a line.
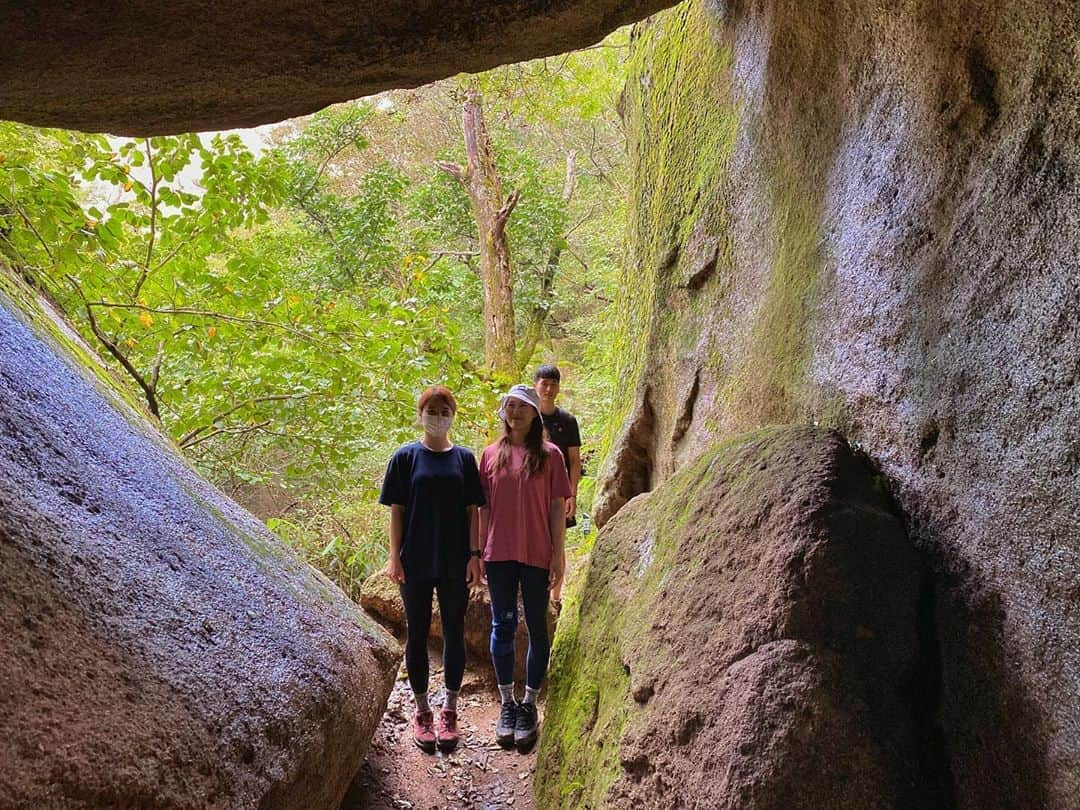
744	635
897	212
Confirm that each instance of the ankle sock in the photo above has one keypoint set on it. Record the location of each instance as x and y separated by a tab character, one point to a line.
530	695
421	702
451	700
506	692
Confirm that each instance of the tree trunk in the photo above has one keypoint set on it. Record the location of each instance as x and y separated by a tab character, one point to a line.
534	329
480	177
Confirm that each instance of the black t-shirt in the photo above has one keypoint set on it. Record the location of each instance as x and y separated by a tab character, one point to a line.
562	430
435	488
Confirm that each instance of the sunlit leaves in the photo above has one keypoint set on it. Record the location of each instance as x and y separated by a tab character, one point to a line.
293	303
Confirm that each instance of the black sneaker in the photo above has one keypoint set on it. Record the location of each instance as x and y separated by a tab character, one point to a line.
525	728
505	727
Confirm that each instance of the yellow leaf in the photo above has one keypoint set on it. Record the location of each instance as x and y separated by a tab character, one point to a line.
211	331
146	319
142	301
3	157
294	300
127	186
131	343
127	170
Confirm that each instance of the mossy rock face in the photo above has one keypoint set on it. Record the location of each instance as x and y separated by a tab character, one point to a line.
863	216
742	638
681	121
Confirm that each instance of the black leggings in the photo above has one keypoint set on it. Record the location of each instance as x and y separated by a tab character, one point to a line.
453	600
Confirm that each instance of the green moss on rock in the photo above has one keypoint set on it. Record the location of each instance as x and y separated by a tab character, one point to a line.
681	128
695	314
750	553
769	386
49	324
590	702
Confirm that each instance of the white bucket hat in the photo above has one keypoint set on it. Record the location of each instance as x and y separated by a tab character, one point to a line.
524	393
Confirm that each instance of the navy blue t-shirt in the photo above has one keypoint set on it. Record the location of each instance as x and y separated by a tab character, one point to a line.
435	488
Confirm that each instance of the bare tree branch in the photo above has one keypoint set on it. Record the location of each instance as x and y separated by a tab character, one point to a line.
580	261
168	257
202	313
29	224
148	389
187	438
236	430
503	214
156	374
457	254
459	173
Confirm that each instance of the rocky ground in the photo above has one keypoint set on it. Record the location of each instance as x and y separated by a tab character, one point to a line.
399	776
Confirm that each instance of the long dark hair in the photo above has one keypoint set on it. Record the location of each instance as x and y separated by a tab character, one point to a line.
536	455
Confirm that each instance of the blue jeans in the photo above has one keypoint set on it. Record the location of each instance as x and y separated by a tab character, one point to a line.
503	581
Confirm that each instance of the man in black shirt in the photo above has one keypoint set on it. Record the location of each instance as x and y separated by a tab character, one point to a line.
562	431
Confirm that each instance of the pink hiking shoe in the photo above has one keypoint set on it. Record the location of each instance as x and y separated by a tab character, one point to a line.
423	731
448	731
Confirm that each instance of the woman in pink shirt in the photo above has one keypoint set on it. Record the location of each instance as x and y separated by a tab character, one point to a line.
522	528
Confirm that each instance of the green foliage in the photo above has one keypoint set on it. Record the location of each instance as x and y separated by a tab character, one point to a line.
281	311
343	540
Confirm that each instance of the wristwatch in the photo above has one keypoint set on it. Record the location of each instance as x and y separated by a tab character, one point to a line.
476	553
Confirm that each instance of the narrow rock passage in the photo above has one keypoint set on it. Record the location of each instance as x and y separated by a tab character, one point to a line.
399	776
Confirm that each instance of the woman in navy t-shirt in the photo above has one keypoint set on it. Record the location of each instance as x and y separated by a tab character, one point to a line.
433	491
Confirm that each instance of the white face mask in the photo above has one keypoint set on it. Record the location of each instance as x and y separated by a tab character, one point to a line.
437	426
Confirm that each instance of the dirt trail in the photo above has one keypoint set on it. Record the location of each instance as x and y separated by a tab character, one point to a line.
399	776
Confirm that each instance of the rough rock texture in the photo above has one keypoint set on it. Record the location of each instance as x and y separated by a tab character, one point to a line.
746	637
868	215
158	647
380	597
146	67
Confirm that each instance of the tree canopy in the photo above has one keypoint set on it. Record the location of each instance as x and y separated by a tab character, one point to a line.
279	309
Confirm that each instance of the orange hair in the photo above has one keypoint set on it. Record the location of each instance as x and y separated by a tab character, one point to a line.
439	392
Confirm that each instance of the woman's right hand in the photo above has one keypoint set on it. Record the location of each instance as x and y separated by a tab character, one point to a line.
474	573
395	570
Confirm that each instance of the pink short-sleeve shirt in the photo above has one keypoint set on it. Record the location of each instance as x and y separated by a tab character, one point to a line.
519	508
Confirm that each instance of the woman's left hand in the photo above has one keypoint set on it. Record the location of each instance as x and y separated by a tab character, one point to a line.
474	573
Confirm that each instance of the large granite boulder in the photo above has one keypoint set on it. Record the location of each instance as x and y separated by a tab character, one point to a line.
867	215
143	67
380	597
158	646
746	636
